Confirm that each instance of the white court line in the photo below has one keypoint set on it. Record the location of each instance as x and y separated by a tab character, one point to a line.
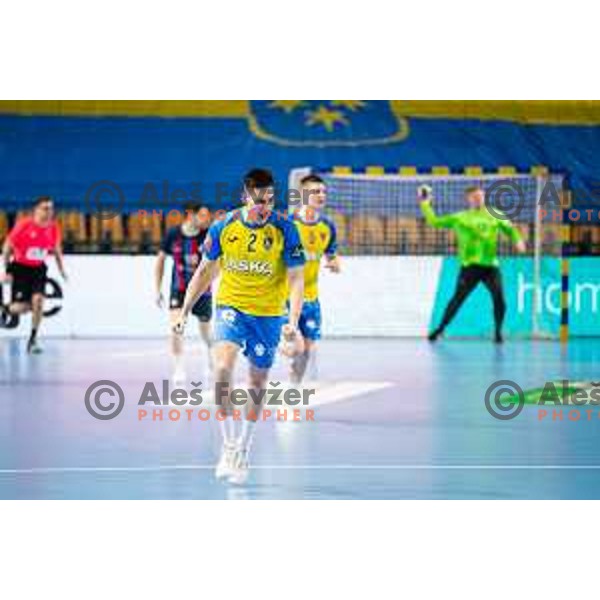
157	468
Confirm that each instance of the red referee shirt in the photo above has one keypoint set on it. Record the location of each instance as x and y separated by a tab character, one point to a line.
31	242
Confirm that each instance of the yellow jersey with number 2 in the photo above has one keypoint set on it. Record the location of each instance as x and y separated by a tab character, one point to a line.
254	258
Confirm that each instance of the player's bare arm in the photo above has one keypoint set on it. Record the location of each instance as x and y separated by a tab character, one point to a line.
60	263
6	254
200	282
296	285
159	271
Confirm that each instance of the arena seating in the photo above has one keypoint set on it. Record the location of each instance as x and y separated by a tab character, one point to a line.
367	233
106	234
403	235
141	233
74	230
3	226
144	231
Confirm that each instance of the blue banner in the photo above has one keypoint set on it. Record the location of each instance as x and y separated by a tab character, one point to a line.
65	155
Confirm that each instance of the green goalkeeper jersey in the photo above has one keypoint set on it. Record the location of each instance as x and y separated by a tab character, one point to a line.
476	232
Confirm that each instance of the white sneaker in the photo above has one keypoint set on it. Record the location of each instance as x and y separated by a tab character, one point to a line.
240	467
224	467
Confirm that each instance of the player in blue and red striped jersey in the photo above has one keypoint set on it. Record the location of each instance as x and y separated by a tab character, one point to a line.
183	244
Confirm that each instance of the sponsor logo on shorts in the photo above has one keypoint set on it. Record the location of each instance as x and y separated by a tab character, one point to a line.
228	315
298	251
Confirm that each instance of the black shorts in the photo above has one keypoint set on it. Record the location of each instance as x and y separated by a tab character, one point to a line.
26	281
202	309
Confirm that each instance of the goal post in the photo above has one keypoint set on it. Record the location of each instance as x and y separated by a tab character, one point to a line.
378	215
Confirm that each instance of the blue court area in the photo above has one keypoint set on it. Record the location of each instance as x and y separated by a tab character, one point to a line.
393	419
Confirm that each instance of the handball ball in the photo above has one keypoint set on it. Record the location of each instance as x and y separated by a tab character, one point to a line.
424	192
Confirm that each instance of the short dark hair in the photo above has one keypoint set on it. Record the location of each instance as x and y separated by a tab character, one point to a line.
41	200
311	178
191	207
472	188
258	178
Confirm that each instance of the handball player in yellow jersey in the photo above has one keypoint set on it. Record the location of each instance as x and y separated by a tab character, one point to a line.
260	257
319	239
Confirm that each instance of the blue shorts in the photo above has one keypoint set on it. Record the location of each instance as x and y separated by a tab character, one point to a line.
258	337
310	320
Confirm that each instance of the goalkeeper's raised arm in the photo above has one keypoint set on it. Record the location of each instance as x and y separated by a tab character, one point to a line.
477	233
425	195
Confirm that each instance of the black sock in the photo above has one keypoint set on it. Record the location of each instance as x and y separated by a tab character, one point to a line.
33	335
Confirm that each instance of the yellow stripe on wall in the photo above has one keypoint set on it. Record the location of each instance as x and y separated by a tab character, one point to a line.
342	170
374	170
128	108
564	112
580	112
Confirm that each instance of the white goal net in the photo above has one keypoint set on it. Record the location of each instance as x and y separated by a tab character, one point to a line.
378	215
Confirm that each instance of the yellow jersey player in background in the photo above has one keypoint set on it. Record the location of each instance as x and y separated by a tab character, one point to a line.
318	237
259	256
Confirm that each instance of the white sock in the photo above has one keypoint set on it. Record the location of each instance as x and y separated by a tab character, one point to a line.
247	435
178	364
228	430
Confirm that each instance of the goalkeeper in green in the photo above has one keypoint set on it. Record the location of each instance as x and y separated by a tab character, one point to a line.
477	236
